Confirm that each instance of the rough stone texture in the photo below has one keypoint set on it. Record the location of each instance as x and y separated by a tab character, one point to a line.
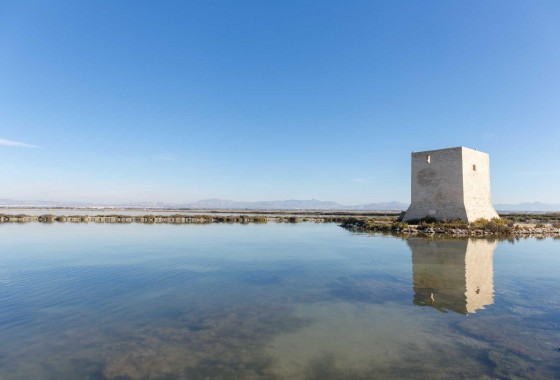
453	275
450	184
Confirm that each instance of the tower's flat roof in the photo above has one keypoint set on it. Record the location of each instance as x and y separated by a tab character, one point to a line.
443	149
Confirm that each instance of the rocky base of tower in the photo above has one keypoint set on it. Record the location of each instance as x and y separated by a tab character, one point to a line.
449	213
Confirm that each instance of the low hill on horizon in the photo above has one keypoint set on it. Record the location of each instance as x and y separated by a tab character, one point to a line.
291	204
219	204
529	207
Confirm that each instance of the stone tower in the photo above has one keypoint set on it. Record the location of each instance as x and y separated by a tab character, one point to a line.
450	184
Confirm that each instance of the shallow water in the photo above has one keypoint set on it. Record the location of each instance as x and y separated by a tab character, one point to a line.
272	301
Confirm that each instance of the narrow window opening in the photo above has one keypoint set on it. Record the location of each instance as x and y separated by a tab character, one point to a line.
474	168
428	158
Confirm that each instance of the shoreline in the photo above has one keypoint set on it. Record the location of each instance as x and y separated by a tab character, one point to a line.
482	228
384	222
173	218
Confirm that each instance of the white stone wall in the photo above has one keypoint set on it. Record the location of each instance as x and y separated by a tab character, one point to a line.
476	185
445	186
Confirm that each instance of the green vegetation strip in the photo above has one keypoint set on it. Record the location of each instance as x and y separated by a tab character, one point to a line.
505	226
171	219
508	225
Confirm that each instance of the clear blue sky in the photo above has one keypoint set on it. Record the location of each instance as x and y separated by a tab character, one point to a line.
260	100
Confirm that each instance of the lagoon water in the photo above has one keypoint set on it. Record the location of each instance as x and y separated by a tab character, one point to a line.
273	301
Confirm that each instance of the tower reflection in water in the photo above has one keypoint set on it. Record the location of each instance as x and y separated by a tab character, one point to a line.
456	275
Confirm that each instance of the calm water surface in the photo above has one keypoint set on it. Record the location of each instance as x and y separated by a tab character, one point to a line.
274	301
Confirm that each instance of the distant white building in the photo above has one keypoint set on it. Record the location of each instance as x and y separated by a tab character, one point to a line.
450	184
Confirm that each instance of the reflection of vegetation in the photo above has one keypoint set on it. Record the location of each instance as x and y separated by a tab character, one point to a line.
49	218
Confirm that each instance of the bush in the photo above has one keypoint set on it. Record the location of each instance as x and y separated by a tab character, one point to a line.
399	225
429	220
259	219
496	225
479	224
454	224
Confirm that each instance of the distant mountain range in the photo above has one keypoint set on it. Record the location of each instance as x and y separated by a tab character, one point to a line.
530	206
217	204
294	204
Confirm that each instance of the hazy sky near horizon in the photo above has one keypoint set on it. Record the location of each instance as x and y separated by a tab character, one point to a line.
117	101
